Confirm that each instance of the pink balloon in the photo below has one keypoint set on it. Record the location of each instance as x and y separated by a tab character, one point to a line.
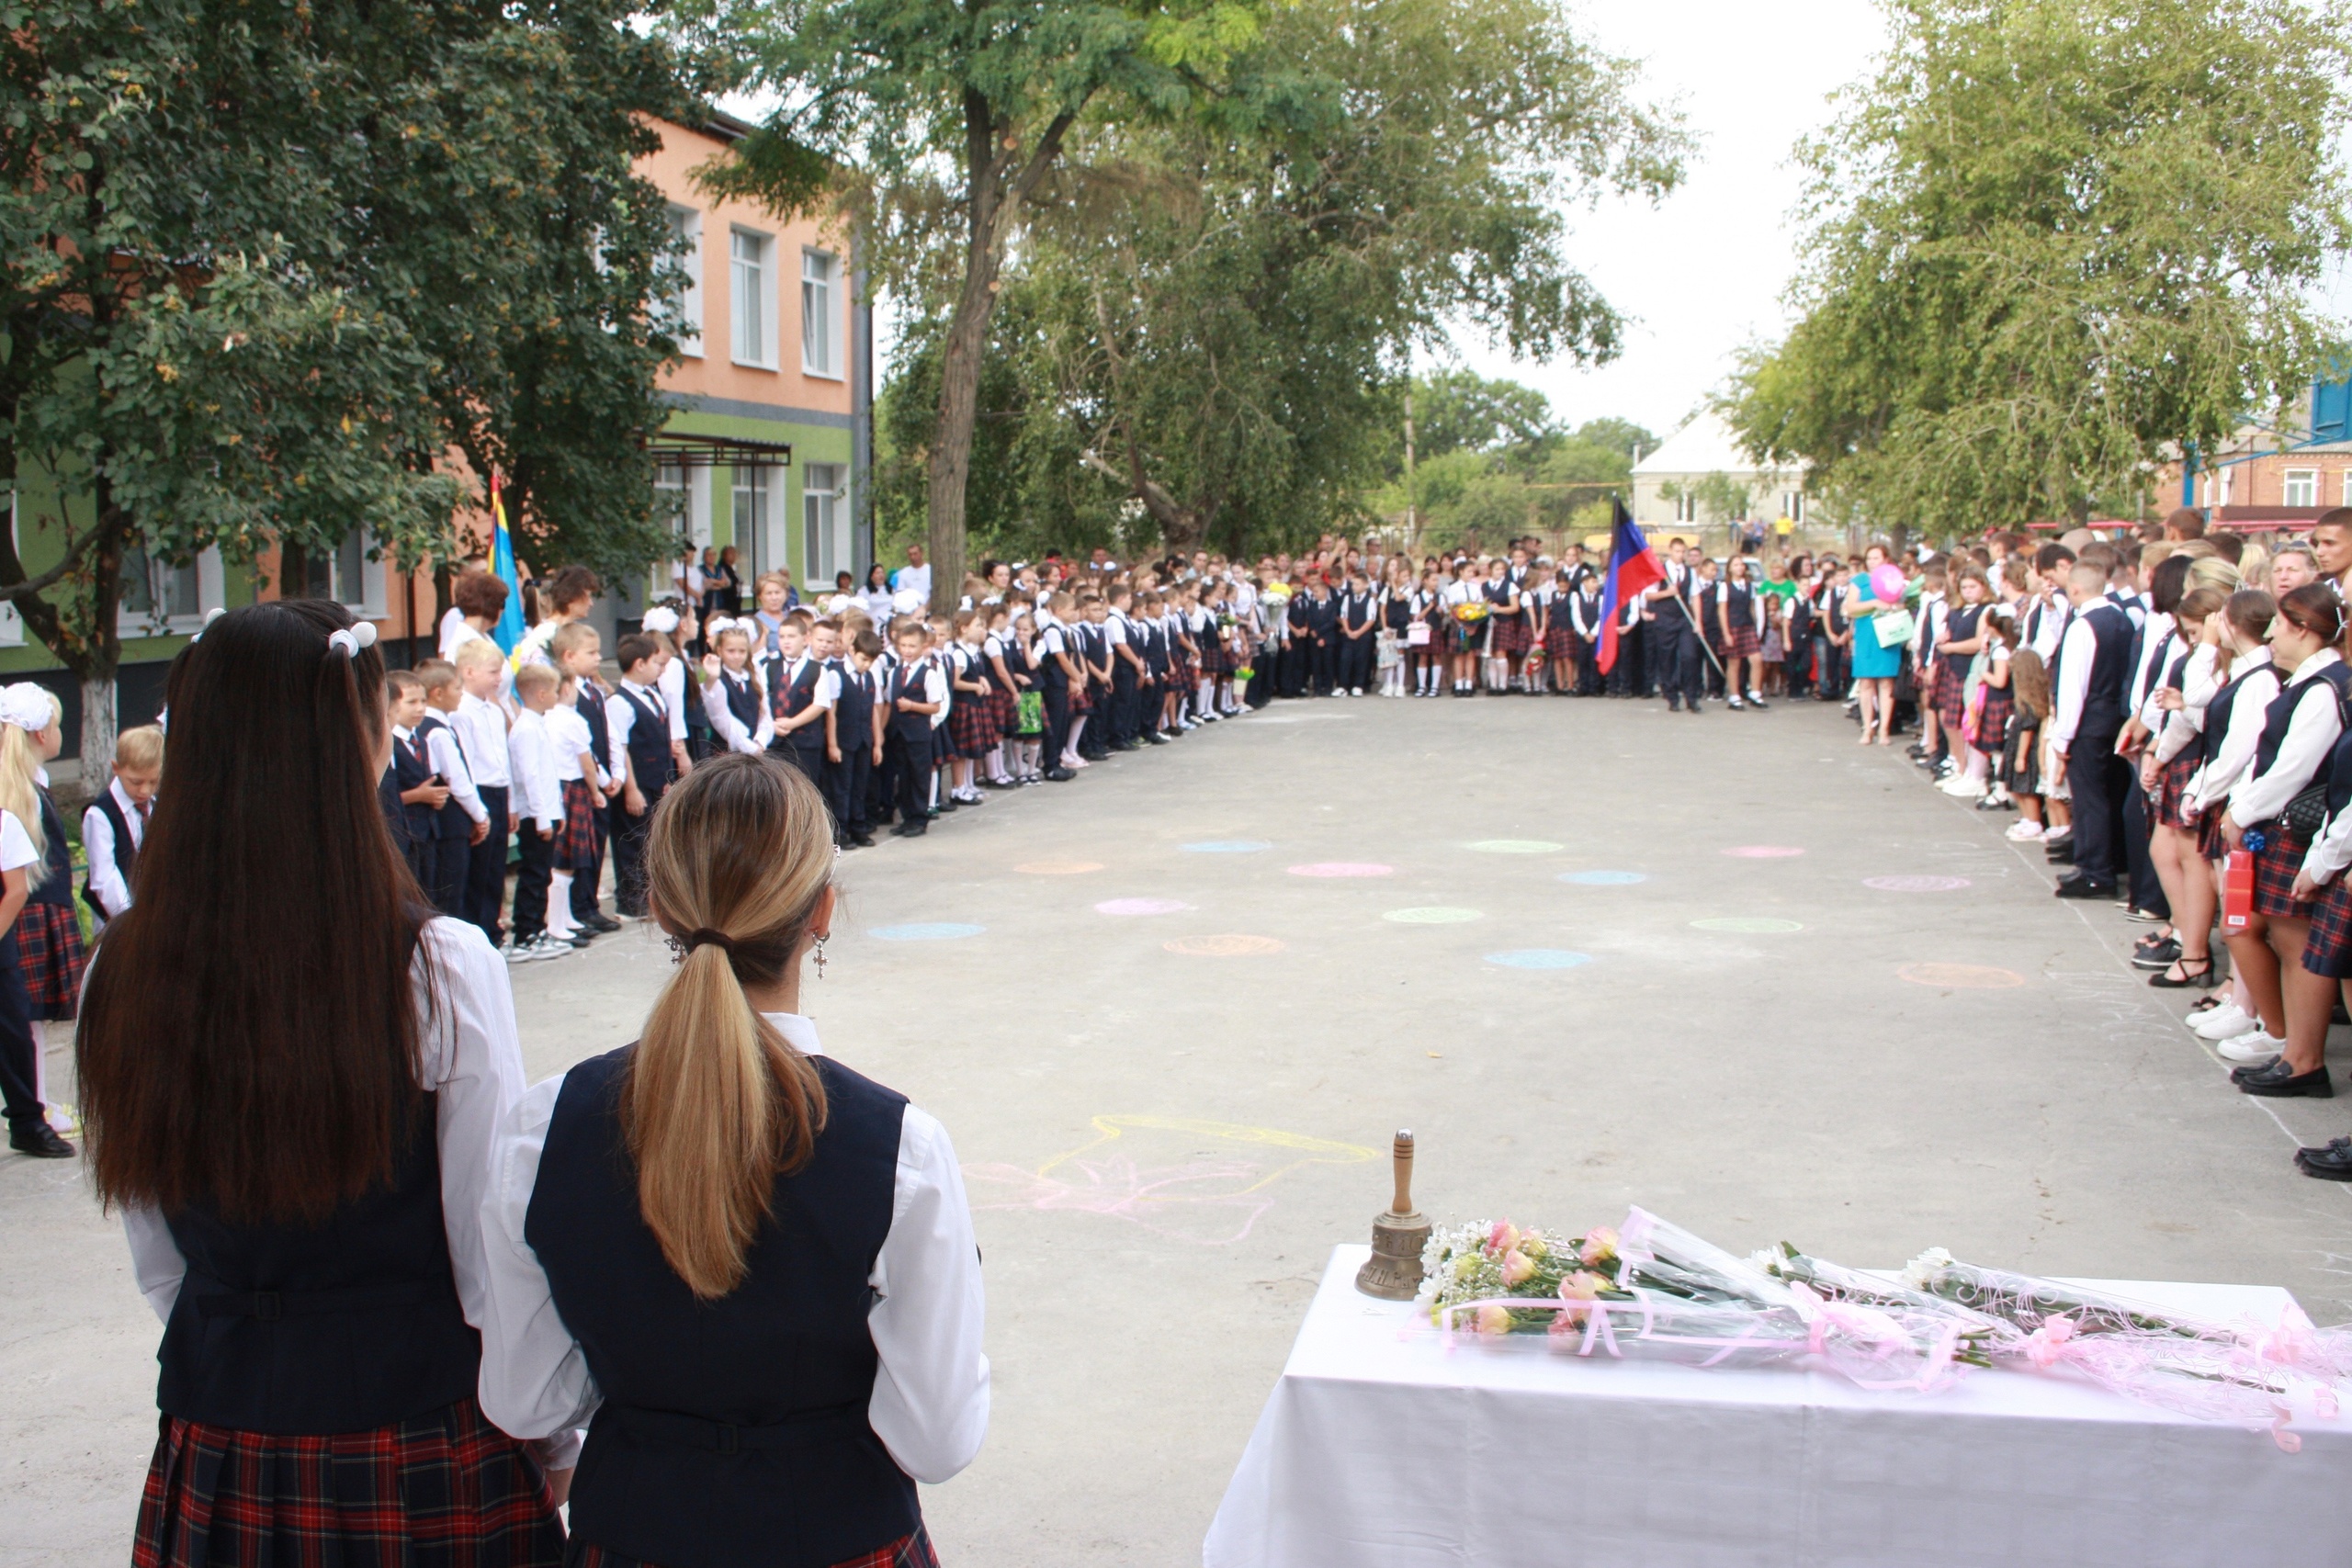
1888	583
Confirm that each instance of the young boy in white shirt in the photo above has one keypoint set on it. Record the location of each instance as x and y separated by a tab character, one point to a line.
480	724
537	800
116	823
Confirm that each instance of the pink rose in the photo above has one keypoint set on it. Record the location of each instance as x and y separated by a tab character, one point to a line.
1582	1286
1517	1267
1502	1238
1494	1319
1600	1244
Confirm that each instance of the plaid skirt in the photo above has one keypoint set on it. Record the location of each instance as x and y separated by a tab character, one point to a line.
2209	842
50	956
1993	718
907	1551
1743	643
1512	635
2328	950
2274	873
575	841
2172	783
1006	704
443	1490
1951	694
971	723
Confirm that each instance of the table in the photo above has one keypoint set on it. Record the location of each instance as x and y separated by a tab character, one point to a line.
1383	1447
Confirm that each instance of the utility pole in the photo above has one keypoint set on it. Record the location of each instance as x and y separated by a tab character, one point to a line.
1412	508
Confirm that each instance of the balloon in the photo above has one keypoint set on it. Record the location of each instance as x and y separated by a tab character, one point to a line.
1888	583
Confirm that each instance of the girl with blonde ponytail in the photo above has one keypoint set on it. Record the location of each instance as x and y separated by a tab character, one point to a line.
747	1269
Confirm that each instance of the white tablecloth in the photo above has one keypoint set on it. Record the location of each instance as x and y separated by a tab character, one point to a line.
1384	1447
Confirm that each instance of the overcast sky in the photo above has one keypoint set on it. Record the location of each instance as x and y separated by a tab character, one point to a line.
1702	272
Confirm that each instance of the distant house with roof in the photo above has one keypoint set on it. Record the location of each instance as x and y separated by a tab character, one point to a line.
2270	477
1700	478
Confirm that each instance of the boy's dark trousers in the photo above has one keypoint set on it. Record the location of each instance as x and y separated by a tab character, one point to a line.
486	866
1125	704
534	872
20	1052
1355	661
1057	734
628	857
908	763
440	867
1324	663
585	884
845	785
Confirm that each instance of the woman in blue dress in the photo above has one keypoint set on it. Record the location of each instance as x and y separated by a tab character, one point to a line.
1875	667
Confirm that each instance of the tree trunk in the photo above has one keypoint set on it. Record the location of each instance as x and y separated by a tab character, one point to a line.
991	201
95	662
99	720
293	571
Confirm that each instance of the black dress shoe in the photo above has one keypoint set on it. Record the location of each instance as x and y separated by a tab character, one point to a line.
863	841
40	1140
2084	887
2060	854
2280	1081
602	921
2332	1163
910	830
1058	775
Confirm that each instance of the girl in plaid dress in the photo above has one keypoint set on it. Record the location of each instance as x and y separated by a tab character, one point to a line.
2300	728
972	726
574	851
300	1162
663	1216
48	933
22	862
2175	719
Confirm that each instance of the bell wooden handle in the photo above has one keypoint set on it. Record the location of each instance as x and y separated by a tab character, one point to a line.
1402	1154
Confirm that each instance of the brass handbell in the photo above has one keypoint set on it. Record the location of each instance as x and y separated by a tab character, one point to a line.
1393	1272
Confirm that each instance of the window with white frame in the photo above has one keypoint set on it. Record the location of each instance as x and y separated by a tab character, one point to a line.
1686	508
2218	486
160	596
2346	499
819	340
750	513
824	518
685	300
679	503
1792	505
750	301
342	574
2300	488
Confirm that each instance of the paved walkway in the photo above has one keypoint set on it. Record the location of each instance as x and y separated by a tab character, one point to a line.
1593	954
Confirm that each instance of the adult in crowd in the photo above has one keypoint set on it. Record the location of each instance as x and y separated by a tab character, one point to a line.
748	1267
914	577
297	1125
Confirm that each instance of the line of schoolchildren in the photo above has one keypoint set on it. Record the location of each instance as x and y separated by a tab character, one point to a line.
2169	717
42	951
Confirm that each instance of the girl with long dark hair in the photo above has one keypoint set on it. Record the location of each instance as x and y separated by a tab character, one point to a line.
291	1075
751	1267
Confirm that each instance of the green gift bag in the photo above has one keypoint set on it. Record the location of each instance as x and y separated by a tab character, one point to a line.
1030	713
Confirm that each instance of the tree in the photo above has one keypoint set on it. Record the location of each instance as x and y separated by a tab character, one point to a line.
1220	307
234	287
2051	238
1459	410
952	112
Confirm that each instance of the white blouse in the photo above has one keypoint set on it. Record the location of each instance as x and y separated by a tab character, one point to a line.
470	1060
931	1392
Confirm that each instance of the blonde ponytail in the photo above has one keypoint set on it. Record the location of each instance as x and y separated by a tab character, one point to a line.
20	782
717	1104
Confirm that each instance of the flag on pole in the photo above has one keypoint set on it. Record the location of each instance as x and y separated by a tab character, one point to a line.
509	630
1632	566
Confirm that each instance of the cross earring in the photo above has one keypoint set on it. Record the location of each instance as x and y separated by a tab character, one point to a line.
820	956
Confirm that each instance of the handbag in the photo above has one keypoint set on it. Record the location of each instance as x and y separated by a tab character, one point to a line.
2307	811
1029	713
1893	628
1418	635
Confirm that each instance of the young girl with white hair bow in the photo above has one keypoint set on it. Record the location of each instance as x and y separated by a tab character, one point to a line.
42	954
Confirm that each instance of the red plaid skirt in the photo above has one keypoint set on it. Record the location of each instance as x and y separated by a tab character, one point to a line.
971	723
2172	783
443	1490
1952	693
1743	643
2274	873
50	957
1005	703
2328	950
575	841
1992	721
907	1551
2209	842
1511	636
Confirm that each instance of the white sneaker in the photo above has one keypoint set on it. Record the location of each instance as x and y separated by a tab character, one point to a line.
2024	832
519	951
1356	692
2224	1022
2253	1049
1962	785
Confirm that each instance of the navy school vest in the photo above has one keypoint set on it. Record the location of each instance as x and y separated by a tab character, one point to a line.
791	699
742	701
854	710
590	705
2104	697
648	746
56	883
451	821
2327	685
346	1326
126	853
410	769
733	1432
907	680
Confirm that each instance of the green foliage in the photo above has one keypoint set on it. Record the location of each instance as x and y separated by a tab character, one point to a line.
263	263
1208	313
2050	238
1459	410
1721	498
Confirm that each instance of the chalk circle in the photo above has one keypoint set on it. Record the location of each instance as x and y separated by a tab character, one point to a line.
1227	945
1516	847
925	930
1540	958
1342	868
1141	906
1058	867
1754	925
1960	977
1916	883
1603	878
1437	915
1227	847
1763	852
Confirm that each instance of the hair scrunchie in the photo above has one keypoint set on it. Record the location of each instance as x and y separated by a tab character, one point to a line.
703	936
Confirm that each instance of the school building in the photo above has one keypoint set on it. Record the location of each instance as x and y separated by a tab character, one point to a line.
2270	478
768	448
